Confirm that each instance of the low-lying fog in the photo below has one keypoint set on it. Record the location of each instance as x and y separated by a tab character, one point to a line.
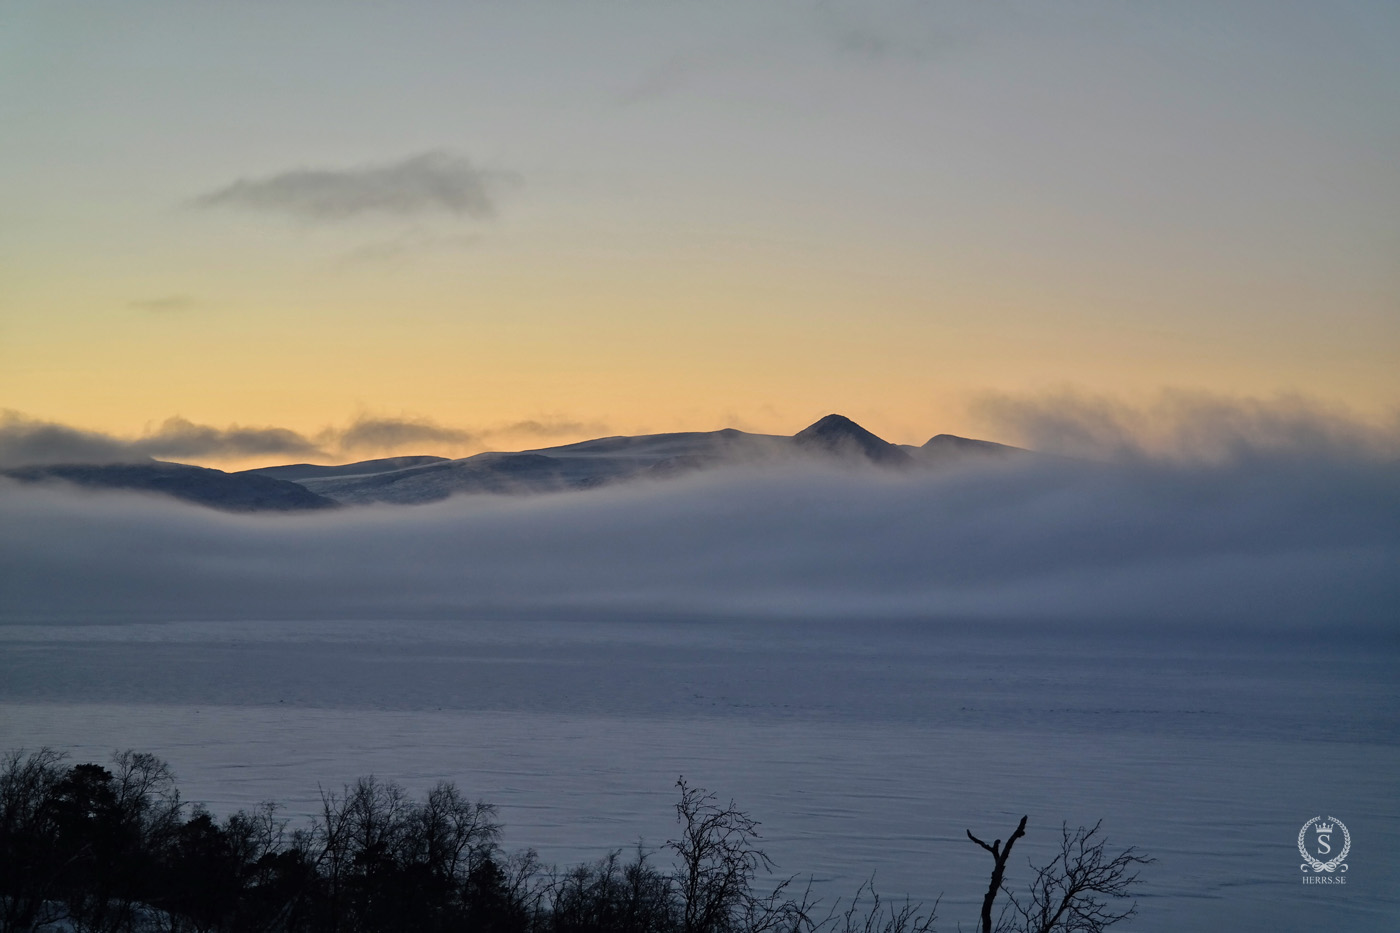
1263	539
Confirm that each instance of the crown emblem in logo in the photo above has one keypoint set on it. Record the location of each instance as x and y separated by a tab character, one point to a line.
1323	827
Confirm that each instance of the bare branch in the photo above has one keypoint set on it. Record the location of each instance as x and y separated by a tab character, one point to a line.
1000	856
1082	888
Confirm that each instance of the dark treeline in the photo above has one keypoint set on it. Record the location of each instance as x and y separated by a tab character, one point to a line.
114	849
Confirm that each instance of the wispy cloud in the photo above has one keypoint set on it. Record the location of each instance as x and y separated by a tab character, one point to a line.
380	433
429	183
550	427
163	304
871	44
668	77
29	441
864	34
386	434
410	243
1183	426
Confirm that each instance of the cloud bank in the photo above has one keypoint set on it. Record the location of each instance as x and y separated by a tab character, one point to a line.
28	441
432	182
1185	426
1306	543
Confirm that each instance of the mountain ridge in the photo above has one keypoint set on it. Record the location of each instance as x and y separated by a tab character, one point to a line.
579	465
227	492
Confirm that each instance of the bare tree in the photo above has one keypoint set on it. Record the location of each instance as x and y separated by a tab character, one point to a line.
30	861
147	796
613	895
1080	889
719	862
450	834
253	836
999	855
879	917
1075	892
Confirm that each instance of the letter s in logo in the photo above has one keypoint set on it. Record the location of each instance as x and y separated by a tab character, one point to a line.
1322	845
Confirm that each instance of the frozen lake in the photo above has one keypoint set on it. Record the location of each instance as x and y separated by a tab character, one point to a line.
861	747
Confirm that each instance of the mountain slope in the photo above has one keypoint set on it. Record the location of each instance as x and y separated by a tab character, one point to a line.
602	461
950	446
231	492
296	472
583	465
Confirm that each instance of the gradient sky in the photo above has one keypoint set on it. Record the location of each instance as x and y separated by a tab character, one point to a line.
540	221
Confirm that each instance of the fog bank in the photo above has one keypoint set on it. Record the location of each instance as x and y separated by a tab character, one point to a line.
1292	541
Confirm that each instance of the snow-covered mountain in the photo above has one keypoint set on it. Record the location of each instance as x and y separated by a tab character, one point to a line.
608	460
583	465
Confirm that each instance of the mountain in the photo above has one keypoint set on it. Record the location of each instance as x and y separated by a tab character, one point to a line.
653	447
491	472
952	447
583	465
842	437
602	461
231	492
296	472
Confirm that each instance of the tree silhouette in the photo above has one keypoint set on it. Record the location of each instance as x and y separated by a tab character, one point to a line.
719	860
1077	889
999	855
1075	892
113	850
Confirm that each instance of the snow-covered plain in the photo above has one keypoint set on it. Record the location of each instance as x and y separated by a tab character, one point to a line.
862	747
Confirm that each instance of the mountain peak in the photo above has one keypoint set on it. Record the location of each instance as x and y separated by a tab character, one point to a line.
840	435
833	422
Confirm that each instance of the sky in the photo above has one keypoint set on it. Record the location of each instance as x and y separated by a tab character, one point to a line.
441	227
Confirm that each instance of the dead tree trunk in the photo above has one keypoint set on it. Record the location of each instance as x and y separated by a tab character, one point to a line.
1000	855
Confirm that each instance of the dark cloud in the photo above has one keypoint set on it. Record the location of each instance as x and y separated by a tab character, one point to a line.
1277	542
434	182
28	441
163	304
25	441
381	434
178	438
